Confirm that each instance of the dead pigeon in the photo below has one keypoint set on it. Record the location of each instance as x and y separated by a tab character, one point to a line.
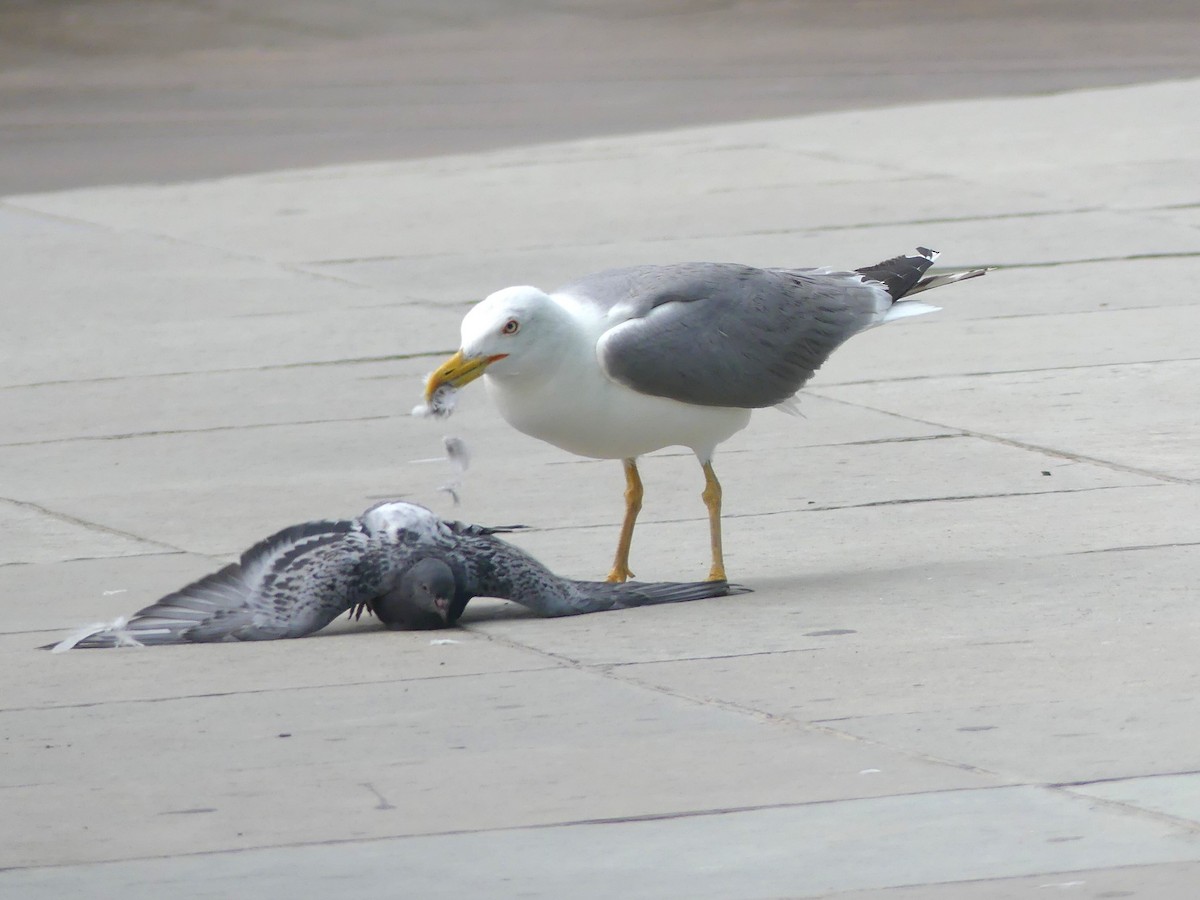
397	560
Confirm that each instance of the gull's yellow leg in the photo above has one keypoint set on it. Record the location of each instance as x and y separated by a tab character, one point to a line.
633	505
712	499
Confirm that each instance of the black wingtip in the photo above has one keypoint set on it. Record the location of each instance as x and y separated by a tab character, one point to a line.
900	273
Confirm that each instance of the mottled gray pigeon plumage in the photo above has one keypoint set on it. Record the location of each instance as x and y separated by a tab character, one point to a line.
397	560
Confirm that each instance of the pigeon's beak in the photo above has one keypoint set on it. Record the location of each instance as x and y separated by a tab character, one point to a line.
457	371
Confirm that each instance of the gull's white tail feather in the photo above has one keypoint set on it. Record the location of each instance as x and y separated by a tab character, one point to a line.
906	308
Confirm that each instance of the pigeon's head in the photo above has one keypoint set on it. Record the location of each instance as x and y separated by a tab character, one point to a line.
514	332
422	599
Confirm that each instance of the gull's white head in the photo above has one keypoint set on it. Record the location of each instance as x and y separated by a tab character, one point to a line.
514	331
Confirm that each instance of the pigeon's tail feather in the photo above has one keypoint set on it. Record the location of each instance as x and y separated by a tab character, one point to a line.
211	609
118	633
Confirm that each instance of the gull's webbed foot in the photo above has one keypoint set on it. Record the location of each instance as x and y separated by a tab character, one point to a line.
619	574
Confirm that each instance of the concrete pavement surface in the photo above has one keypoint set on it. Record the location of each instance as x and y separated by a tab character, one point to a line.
968	668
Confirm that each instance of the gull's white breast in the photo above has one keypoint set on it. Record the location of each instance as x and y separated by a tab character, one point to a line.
580	409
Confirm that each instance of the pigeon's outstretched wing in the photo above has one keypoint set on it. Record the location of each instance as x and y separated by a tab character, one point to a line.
291	584
582	597
485	566
431	595
477	530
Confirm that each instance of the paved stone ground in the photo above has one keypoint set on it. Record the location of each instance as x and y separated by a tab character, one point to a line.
968	668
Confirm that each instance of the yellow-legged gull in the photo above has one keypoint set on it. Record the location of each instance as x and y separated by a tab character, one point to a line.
628	361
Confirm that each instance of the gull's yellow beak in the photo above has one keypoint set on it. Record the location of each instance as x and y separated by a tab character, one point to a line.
457	371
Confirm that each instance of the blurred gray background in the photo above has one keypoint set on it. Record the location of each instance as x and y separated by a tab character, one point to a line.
114	91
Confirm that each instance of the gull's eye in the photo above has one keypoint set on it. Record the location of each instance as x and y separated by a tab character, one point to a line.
512	326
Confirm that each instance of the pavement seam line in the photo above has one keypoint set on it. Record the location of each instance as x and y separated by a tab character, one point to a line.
437	354
1034	371
1126	807
1025	445
256	691
90	526
274	367
737	451
608	671
294	268
148	553
869	504
212	429
1131	257
566	823
718	235
1134	548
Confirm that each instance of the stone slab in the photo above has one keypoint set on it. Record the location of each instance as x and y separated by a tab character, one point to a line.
322	759
233	476
30	533
804	851
889	620
1172	795
1133	416
1166	881
160	306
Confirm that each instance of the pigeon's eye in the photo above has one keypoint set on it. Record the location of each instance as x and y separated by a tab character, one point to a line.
512	326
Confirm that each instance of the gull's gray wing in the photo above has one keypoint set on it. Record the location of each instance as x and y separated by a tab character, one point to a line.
728	335
293	583
719	334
